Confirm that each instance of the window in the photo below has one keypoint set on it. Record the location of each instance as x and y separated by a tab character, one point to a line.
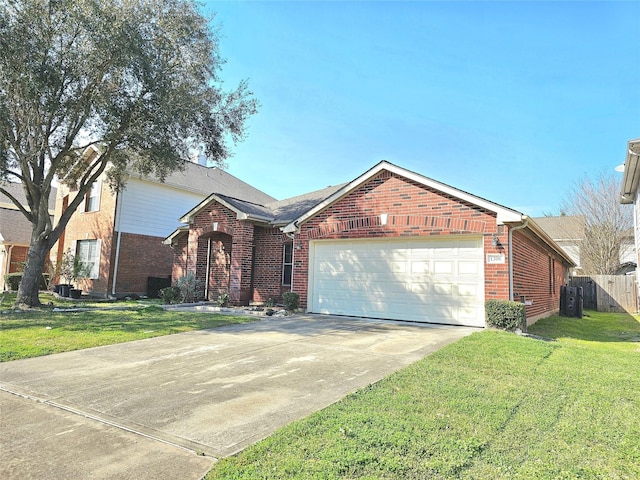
92	202
88	251
287	263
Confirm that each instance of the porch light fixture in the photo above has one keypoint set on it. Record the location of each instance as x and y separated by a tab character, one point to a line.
495	241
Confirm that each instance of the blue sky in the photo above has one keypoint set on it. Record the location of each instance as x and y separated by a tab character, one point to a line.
511	101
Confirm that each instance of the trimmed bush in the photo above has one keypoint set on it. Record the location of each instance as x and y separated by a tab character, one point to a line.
12	280
291	301
170	295
506	315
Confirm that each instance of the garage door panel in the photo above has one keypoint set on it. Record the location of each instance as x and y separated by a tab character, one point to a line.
443	288
441	267
424	280
466	267
468	290
421	288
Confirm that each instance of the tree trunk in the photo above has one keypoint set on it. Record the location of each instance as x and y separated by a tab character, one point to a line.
30	283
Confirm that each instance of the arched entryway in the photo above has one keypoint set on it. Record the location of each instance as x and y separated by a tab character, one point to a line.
214	264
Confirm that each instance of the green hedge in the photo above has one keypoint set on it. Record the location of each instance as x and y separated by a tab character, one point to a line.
12	280
506	315
291	301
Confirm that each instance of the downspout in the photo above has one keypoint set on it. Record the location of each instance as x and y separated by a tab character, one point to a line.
117	258
511	230
208	271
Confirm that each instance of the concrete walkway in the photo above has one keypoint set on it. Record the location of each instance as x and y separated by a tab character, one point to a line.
151	409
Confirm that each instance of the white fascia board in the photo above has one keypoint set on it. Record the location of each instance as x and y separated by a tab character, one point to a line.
177	232
503	214
240	215
188	217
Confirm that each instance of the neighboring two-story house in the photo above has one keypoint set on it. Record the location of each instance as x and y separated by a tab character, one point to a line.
568	232
120	235
15	231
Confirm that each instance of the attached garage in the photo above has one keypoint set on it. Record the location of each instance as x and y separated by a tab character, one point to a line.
391	244
424	280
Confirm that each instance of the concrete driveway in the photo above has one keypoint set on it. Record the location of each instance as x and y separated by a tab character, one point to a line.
167	407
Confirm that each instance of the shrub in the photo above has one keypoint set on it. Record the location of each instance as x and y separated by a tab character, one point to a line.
189	286
223	300
291	301
170	295
12	280
506	315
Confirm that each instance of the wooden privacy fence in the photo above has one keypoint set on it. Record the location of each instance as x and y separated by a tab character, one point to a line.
608	293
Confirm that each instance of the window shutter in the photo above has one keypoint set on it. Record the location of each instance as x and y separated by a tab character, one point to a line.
98	193
95	271
83	205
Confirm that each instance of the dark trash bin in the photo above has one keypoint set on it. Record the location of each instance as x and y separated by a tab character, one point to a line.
571	301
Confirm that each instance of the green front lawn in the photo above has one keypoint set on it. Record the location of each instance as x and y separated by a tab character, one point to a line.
493	405
44	331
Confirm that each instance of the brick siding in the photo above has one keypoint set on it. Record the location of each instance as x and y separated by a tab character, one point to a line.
141	257
538	274
413	210
268	264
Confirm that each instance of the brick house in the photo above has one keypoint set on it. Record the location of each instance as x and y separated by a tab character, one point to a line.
15	232
390	244
121	234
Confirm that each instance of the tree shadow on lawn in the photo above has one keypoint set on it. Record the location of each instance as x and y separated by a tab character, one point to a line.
594	326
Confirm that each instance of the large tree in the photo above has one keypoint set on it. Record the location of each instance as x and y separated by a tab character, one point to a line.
607	223
137	79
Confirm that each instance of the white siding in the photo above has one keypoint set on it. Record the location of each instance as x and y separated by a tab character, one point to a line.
152	208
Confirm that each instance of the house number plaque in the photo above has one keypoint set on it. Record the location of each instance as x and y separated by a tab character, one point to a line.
494	258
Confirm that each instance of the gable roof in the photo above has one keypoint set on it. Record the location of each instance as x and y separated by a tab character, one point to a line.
503	214
631	177
288	214
276	213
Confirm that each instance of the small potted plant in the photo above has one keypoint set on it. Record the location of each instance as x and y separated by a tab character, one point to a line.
65	271
72	269
80	271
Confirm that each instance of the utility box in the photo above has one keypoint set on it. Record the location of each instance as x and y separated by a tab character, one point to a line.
571	301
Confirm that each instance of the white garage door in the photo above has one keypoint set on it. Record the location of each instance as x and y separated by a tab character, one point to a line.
437	281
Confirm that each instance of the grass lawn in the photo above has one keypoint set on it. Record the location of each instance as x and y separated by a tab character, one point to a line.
44	331
493	405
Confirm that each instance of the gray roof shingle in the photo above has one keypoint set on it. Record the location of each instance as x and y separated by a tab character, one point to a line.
207	180
14	227
564	227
